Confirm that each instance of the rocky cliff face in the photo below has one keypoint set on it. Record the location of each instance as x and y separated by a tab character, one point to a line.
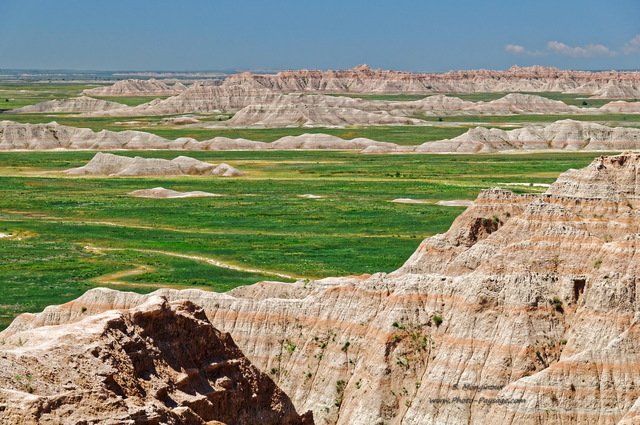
158	363
524	312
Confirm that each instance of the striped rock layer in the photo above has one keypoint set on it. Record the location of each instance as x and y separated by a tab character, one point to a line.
524	312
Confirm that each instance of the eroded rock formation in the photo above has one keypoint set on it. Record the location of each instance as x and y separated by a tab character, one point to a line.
524	312
363	79
132	87
566	135
284	114
116	165
158	363
75	104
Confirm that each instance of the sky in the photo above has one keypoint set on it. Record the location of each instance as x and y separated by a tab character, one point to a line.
411	35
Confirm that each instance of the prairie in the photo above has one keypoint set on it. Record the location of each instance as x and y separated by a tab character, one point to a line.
69	233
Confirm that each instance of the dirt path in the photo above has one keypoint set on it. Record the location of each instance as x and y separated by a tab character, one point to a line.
113	279
207	260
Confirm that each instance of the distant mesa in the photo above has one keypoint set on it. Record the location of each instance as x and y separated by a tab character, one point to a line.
161	193
116	165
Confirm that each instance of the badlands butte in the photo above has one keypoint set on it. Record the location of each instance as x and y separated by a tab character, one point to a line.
143	224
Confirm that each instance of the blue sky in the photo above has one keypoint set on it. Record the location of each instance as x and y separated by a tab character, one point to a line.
281	34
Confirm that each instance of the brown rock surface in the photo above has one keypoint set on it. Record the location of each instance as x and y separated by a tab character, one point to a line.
158	363
524	312
116	165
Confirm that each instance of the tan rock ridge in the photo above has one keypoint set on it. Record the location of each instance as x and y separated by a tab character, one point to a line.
268	104
158	363
524	312
305	115
133	87
75	104
16	136
117	165
567	135
363	79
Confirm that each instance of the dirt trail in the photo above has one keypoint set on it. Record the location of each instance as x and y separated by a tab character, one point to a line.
113	279
207	260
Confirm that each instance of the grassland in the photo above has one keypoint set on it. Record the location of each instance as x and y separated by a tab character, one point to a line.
72	232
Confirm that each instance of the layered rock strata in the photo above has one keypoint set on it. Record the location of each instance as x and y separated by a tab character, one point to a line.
158	363
132	87
362	79
117	165
524	312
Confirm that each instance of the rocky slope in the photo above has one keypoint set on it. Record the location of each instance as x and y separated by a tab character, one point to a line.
116	165
75	104
363	79
524	312
158	363
132	87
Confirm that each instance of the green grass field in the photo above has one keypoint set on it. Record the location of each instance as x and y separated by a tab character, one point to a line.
76	232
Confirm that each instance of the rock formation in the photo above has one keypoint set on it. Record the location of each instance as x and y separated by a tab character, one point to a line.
200	98
158	363
162	193
15	136
567	135
524	312
302	142
363	79
116	165
305	115
75	104
132	87
561	135
621	107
